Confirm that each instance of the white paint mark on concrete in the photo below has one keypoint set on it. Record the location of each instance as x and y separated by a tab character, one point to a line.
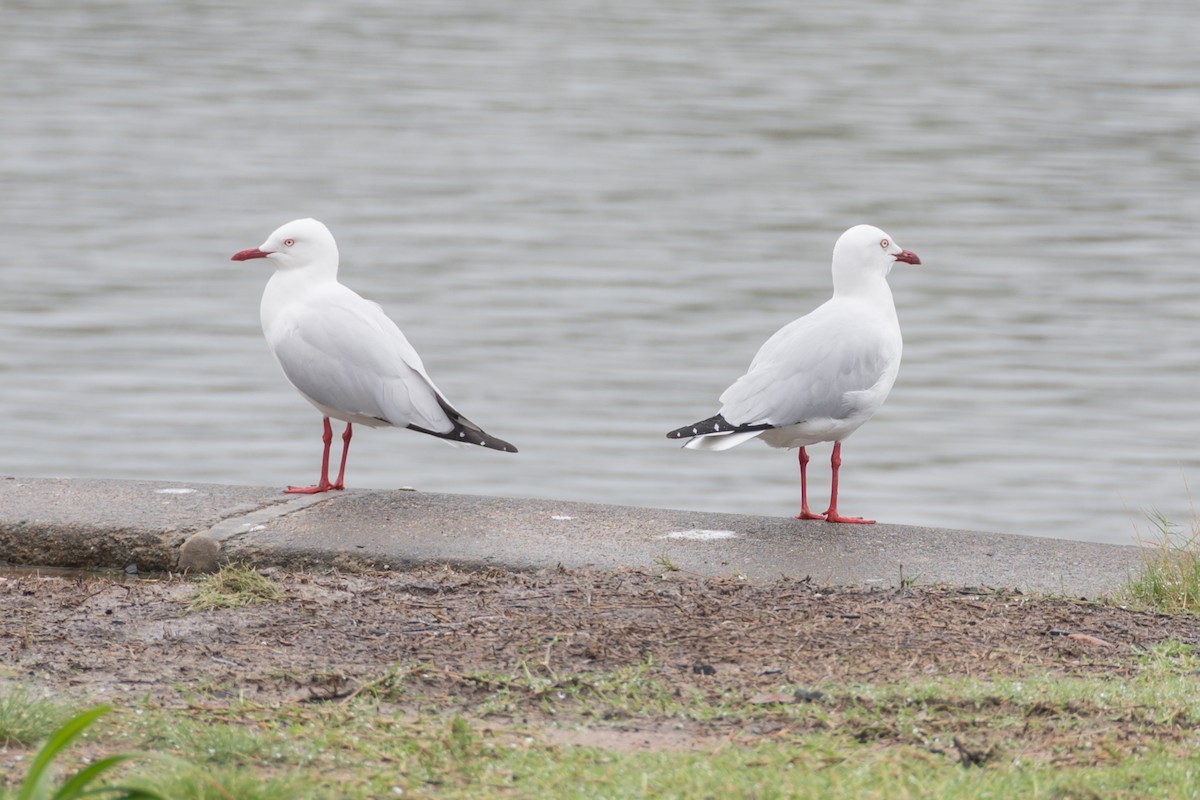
174	491
700	535
560	517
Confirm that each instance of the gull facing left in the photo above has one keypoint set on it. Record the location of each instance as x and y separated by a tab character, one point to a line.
343	354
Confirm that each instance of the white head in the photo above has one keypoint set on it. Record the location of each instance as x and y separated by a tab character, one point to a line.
865	254
300	243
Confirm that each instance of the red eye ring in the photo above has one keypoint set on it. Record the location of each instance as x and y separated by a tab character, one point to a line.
884	243
288	242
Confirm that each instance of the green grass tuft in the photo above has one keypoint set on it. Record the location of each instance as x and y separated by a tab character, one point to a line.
187	782
25	719
1170	579
215	743
232	587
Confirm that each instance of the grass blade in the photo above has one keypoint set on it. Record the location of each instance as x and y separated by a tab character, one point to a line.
58	741
80	781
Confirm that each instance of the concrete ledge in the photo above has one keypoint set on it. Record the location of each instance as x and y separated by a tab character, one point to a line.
173	526
96	523
201	552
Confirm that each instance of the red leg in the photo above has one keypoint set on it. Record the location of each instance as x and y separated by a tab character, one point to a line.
832	514
339	483
323	485
805	513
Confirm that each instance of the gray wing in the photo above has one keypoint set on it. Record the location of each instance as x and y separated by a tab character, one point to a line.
813	368
346	354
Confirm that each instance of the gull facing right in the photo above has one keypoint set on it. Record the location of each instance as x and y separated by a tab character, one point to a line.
819	378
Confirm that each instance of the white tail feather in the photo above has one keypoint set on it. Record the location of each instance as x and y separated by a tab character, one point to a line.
720	441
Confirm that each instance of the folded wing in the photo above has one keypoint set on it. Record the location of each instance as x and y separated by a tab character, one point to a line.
821	366
343	352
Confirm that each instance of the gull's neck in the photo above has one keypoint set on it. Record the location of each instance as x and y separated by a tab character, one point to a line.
287	286
871	287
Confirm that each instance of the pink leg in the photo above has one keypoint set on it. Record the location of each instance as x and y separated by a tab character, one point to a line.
340	482
323	485
804	511
832	514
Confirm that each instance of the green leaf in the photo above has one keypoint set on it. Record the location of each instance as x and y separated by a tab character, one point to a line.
81	780
33	787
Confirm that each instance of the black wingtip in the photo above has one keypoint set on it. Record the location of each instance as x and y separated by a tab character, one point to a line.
715	424
476	436
465	431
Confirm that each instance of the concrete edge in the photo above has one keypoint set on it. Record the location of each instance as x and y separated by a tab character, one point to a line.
161	526
202	551
88	547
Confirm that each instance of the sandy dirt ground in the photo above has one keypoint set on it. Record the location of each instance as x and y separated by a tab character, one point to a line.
462	636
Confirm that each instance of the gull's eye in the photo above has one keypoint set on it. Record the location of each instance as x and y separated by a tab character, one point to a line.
882	243
290	242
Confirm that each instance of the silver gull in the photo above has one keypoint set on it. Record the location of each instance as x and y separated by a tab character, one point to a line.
343	354
822	376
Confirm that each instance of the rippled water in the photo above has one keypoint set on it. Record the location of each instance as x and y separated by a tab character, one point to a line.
588	216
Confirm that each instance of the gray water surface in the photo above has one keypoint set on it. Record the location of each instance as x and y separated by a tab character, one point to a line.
588	216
